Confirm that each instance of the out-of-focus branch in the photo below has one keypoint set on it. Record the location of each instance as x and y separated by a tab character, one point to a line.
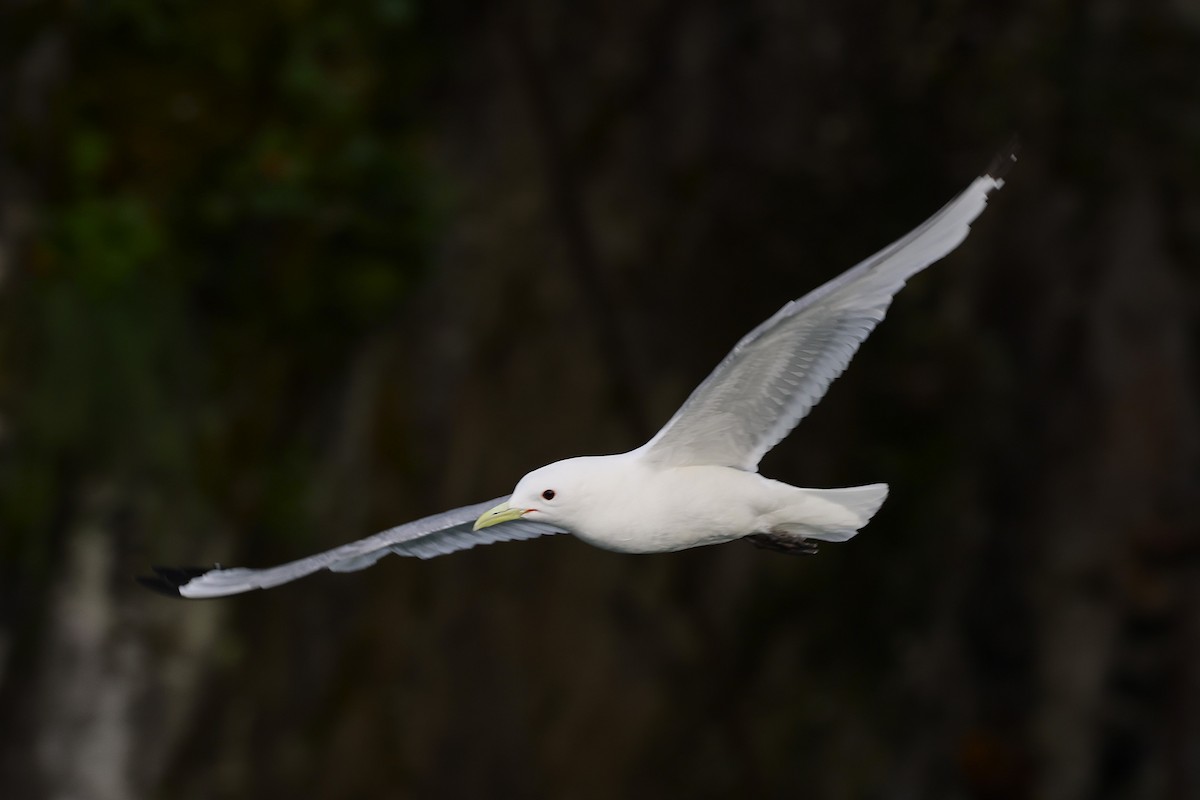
565	191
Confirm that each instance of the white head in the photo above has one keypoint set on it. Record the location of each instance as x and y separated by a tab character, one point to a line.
562	493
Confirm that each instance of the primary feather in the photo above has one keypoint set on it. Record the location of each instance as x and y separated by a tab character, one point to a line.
779	371
427	537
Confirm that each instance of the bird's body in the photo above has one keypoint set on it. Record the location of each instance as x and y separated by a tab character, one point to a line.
660	510
628	504
696	482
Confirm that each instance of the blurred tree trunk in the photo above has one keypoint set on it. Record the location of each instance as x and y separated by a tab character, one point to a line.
90	705
1122	448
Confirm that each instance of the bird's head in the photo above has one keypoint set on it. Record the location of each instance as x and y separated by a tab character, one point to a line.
559	494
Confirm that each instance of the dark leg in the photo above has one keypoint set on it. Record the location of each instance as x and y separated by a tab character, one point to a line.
782	543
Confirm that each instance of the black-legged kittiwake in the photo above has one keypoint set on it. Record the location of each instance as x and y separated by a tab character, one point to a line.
696	482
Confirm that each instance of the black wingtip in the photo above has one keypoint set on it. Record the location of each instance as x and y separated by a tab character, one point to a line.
167	580
158	585
1004	160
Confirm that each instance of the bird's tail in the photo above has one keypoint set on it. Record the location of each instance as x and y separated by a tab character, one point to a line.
829	515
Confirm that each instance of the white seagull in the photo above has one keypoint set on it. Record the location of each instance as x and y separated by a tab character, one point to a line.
696	482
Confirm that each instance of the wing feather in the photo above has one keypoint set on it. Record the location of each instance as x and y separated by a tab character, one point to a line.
782	368
428	537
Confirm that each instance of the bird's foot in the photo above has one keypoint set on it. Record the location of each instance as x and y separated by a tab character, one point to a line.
783	543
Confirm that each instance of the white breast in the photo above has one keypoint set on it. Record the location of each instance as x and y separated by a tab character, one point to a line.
651	510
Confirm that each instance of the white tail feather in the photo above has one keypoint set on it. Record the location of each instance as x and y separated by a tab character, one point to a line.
830	515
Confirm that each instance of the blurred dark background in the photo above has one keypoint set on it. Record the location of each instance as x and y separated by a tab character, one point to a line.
277	275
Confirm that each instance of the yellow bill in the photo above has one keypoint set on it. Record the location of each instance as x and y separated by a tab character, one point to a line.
501	513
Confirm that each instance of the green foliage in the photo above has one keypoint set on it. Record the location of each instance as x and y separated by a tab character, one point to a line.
240	202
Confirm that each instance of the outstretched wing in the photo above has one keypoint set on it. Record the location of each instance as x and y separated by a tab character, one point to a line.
424	538
782	368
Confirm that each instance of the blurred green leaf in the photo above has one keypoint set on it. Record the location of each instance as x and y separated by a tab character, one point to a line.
241	204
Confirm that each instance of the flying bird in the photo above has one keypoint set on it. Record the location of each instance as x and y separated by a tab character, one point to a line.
696	482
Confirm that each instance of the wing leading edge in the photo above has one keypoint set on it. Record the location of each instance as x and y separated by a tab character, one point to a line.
781	369
428	537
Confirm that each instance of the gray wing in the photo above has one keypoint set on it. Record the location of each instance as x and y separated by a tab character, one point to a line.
424	538
782	368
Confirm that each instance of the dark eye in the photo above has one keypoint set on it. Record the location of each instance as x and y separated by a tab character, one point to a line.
548	494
